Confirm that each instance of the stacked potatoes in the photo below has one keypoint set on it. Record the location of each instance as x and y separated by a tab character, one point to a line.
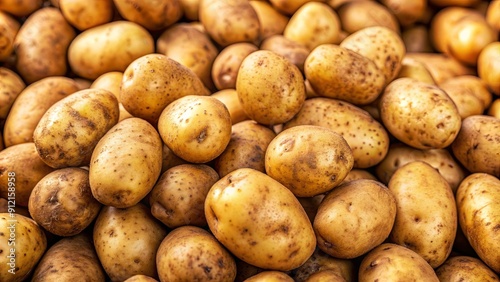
250	140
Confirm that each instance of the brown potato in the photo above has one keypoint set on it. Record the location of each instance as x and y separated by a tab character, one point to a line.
407	12
86	14
227	63
416	39
230	99
20	8
441	66
8	31
487	66
293	51
270	276
271	21
151	15
320	261
357	15
10	87
464	268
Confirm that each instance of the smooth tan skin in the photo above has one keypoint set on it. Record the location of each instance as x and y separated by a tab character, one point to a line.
441	66
20	8
292	50
272	22
375	14
86	14
487	66
227	64
289	7
415	69
230	99
12	85
465	268
270	276
442	23
493	14
8	30
155	15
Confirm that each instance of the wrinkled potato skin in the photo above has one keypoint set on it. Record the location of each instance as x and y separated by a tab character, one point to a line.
203	257
230	99
20	8
70	129
123	173
151	15
441	66
31	105
487	66
115	226
86	14
319	261
270	276
464	268
41	45
24	161
415	223
30	244
70	259
10	88
271	21
295	52
391	262
8	31
227	63
284	238
479	214
375	14
469	93
62	202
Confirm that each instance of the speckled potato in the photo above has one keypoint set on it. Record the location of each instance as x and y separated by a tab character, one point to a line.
415	69
11	86
339	73
477	147
70	129
20	8
70	259
86	14
426	218
227	64
229	97
122	172
259	220
487	66
465	268
479	216
374	14
189	253
270	88
121	244
108	47
155	15
22	239
272	22
407	12
270	276
8	31
41	45
441	66
391	262
367	138
405	112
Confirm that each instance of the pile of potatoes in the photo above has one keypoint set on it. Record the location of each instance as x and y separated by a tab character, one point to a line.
250	140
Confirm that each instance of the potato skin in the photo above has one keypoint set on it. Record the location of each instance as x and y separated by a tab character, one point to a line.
487	66
86	14
374	14
479	216
464	268
140	278
320	261
270	276
441	66
152	15
295	52
283	239
230	99
189	253
227	64
8	31
10	88
272	22
20	8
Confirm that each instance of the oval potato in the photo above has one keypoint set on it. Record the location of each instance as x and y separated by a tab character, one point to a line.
487	66
86	14
227	64
466	269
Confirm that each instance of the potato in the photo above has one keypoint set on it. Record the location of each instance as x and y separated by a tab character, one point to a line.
20	8
8	31
416	38
289	7
391	262
464	3
108	47
441	66
227	63
465	268
112	81
293	51
121	244
20	170
282	240
41	45
320	261
476	146
189	253
169	159
229	97
195	128
487	66
494	109
10	87
367	138
70	129
357	15
313	24
325	276
62	202
407	12
245	270
246	148
430	234
270	88
22	244
70	259
190	9
30	106
86	14
339	73
152	82
270	276
192	48
140	278
493	14
272	22
122	172
356	174
151	15
230	22
415	69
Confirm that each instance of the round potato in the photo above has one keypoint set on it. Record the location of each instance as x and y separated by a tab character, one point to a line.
272	22
227	64
487	66
230	99
464	268
151	15
374	14
442	24
270	276
86	14
11	86
20	8
8	31
293	51
320	261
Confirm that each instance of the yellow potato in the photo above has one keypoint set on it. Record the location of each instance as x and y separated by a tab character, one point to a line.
271	21
487	66
494	109
112	81
415	69
155	15
230	99
464	268
86	14
190	9
442	24
357	15
441	66
270	276
293	51
289	7
20	8
407	12
8	31
493	14
10	87
320	261
227	64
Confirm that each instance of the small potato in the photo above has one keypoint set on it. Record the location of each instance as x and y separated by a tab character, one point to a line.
108	47
10	87
415	69
140	278
357	15
20	8
152	82
494	109
479	216
121	244
441	66
41	45
70	259
270	276
70	129
189	253
8	31
309	160
62	202
282	240
407	12
293	51
22	244
270	88
247	148
339	73
391	262
464	268
354	218
230	99
487	66
426	218
190	9
86	14
493	14
227	63
271	21
20	170
416	38
320	261
121	172
196	128
155	15
31	104
477	146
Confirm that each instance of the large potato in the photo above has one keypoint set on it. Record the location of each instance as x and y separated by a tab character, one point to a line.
86	14
272	22
464	268
190	253
108	47
271	89
442	23
227	64
126	241
11	85
122	172
153	15
70	129
426	218
293	51
373	14
259	220
320	261
478	202
488	66
8	31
